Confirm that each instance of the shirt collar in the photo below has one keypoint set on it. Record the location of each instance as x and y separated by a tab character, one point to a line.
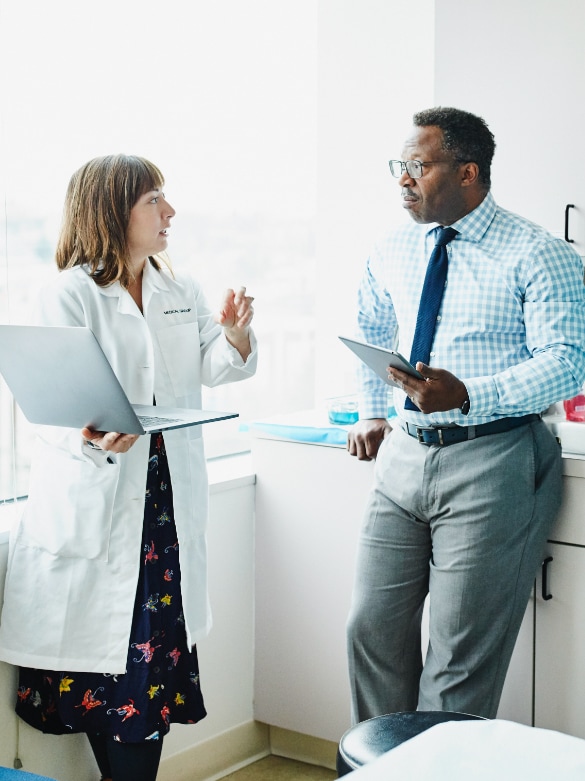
474	225
151	279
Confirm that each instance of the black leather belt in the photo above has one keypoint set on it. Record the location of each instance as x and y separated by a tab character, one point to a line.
450	435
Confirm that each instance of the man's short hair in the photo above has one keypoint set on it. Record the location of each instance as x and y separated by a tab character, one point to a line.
466	136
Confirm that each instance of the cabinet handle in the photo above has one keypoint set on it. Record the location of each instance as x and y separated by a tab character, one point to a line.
567	207
545	563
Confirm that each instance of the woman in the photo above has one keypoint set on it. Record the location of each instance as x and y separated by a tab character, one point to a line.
108	563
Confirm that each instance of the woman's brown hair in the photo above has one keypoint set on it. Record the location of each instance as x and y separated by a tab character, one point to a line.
96	214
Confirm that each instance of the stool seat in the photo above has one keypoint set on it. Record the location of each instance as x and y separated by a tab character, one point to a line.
369	739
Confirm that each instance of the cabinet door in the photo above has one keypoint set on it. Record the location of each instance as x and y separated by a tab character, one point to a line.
569	527
559	696
309	506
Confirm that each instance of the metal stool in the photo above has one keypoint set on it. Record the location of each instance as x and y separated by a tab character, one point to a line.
370	739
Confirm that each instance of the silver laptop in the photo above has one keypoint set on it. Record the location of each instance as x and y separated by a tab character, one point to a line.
60	376
380	358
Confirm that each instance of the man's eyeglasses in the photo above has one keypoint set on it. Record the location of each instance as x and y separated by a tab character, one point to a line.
414	168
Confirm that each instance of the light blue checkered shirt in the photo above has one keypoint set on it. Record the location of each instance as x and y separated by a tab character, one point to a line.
511	324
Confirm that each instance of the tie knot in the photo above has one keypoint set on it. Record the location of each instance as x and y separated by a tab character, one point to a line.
444	236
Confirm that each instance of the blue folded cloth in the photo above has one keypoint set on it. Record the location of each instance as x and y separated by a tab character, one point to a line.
7	774
320	433
325	436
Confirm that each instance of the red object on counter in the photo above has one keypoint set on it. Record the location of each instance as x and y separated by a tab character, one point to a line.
575	409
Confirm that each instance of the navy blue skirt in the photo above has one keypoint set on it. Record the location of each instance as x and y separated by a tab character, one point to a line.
161	682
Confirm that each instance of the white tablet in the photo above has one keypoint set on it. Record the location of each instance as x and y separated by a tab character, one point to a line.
379	359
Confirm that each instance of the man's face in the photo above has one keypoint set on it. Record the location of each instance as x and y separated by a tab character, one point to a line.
438	195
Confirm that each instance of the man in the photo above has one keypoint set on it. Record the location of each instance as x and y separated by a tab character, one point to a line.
468	480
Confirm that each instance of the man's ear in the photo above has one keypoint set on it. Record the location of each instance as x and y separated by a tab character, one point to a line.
469	174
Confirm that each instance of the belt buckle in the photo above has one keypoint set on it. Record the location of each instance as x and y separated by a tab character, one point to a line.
420	435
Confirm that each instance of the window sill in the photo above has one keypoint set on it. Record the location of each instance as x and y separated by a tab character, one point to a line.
224	474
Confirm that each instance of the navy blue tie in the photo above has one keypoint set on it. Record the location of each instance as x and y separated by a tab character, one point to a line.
430	302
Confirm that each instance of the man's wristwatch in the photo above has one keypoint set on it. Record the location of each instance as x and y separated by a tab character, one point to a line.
464	408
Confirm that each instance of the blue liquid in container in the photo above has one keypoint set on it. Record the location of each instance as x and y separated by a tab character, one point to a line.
343	417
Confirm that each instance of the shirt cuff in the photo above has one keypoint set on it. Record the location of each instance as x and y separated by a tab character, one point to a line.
483	396
372	408
95	454
235	357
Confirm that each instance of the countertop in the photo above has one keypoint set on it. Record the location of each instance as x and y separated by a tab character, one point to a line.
313	427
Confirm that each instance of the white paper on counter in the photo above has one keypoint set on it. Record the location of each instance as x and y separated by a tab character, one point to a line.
494	750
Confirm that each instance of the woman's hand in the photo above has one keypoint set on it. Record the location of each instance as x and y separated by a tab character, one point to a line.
109	440
235	315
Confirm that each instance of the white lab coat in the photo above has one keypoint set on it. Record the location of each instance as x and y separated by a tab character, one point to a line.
75	553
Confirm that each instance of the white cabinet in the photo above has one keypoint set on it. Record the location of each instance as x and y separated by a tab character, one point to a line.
309	506
559	681
559	633
545	686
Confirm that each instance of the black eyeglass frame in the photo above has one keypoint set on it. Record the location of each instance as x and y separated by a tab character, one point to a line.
404	166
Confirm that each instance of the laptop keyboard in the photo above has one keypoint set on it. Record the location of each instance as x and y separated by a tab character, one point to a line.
148	420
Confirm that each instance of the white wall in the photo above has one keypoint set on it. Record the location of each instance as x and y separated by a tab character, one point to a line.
523	66
226	656
375	70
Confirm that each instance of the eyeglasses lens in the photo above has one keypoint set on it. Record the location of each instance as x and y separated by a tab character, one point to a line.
396	168
413	168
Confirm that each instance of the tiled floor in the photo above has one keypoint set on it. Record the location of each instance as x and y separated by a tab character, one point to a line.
279	769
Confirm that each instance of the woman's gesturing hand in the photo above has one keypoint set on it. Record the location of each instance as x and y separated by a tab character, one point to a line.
235	315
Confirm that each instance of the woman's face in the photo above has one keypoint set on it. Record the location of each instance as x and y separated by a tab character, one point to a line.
150	219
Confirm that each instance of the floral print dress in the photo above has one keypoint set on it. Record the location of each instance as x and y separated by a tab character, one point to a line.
161	682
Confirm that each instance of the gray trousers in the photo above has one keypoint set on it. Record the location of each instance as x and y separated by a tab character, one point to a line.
466	524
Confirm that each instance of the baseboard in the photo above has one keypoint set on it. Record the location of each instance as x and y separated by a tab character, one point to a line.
304	748
215	758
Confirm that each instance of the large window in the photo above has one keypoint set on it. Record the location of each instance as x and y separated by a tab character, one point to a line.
272	121
221	95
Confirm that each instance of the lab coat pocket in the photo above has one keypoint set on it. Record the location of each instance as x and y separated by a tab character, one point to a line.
181	353
69	509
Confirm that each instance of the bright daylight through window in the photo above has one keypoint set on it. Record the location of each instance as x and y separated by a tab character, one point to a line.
222	97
